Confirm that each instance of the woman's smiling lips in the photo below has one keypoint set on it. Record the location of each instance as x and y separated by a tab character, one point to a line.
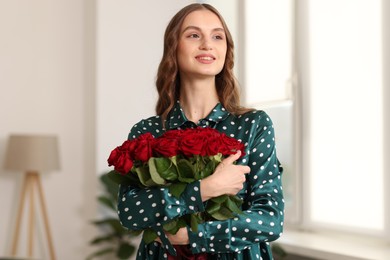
205	58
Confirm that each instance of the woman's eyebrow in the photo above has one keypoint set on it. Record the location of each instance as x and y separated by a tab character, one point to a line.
191	27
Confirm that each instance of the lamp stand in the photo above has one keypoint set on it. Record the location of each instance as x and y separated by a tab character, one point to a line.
31	182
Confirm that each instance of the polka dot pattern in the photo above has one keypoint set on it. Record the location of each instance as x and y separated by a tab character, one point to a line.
243	237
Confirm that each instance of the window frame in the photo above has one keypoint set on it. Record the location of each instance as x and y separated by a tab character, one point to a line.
302	66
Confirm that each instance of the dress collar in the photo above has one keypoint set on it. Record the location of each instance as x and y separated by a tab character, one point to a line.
177	119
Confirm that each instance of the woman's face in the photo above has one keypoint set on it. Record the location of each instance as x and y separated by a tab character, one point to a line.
202	45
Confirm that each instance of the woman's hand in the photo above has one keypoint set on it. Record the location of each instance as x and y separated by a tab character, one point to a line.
180	238
228	178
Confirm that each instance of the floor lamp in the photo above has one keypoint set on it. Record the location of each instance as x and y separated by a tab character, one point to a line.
32	154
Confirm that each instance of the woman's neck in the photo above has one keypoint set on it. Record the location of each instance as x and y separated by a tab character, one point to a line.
198	98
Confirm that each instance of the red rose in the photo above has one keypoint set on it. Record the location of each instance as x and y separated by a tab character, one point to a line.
213	141
192	142
165	147
143	150
129	146
114	155
173	134
230	146
212	147
121	160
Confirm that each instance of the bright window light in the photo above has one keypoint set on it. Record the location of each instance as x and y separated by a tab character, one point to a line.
346	114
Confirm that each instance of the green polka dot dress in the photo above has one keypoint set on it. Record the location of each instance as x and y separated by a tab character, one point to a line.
246	236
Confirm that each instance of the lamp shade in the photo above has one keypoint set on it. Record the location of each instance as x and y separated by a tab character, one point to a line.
32	153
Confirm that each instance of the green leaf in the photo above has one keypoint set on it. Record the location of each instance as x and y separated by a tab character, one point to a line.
222	214
133	179
217	158
115	177
174	159
108	202
277	250
195	221
193	167
144	176
134	232
181	222
125	250
166	167
176	189
173	226
230	204
100	253
170	226
186	171
149	235
199	164
236	200
212	207
208	169
101	239
220	199
111	187
156	166
113	223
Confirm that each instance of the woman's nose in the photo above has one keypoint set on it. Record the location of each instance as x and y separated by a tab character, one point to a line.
205	45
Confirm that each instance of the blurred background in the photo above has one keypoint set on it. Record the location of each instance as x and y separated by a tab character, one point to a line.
84	71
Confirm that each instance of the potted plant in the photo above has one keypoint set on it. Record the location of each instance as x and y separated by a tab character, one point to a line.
116	239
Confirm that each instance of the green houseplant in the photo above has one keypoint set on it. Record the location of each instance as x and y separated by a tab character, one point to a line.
115	239
278	252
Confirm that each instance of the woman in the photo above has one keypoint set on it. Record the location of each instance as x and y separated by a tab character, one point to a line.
197	88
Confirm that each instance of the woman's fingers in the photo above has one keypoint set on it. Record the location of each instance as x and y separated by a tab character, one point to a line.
232	158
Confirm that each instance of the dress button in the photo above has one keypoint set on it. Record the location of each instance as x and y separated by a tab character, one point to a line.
204	122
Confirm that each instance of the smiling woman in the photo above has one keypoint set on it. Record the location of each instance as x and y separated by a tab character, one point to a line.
197	89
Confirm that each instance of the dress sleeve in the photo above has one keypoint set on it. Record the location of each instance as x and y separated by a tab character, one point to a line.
139	209
263	206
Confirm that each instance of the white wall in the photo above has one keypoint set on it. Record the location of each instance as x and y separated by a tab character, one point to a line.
42	91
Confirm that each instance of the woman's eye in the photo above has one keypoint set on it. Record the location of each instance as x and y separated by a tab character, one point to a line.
193	35
218	37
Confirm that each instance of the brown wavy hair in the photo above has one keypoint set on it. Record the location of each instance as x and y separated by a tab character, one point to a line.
168	78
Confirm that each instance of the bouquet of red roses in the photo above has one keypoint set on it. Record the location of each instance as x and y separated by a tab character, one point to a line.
173	160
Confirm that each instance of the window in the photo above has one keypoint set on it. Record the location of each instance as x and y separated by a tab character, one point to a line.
344	115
